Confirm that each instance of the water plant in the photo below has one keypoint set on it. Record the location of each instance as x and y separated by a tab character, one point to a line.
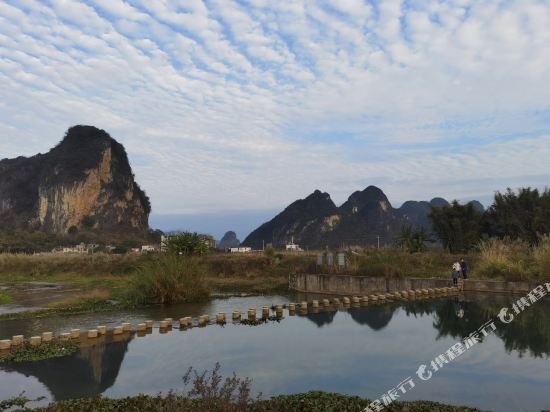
47	350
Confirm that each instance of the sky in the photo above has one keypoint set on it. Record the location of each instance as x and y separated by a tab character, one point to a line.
237	108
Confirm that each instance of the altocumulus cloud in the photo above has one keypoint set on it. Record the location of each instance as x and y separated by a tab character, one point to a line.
249	104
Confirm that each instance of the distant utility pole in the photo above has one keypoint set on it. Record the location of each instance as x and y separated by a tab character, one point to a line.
378	240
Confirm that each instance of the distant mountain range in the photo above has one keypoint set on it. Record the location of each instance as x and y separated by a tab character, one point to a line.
228	241
367	217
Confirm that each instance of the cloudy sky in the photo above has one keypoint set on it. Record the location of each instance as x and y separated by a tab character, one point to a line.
228	106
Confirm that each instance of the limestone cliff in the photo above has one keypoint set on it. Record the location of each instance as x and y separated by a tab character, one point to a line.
85	182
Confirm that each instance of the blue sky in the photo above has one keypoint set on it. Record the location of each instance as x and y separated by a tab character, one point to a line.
228	106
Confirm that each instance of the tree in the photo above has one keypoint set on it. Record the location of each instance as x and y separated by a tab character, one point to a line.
459	227
523	215
412	239
187	244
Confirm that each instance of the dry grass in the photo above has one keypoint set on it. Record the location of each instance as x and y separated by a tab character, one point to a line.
514	259
16	266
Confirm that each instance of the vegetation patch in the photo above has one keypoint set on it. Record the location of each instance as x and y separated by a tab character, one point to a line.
29	353
211	392
168	279
311	402
5	298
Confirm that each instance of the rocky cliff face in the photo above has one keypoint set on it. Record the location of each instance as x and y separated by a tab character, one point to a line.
365	218
85	182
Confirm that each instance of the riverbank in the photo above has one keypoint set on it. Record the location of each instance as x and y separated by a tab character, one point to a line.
311	401
100	282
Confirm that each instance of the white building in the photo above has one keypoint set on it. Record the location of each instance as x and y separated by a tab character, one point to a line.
148	248
293	246
240	249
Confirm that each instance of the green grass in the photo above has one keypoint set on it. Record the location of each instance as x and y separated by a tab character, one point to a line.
5	298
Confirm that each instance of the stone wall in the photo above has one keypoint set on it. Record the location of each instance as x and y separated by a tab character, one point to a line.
360	285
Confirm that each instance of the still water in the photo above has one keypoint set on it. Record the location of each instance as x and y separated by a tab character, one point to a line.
363	351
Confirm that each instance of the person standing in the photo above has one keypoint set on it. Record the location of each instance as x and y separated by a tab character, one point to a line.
464	268
455	273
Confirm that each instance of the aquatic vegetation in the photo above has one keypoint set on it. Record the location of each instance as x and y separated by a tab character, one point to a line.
29	353
211	392
311	401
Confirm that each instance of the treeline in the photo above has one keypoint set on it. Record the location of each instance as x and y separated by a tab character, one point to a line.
523	215
28	242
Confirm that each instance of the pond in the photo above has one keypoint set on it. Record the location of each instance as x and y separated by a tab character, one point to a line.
361	351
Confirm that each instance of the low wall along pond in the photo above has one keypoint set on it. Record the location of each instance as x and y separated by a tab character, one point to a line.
359	285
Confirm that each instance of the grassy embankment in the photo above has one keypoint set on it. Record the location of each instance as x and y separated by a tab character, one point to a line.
311	402
156	279
211	392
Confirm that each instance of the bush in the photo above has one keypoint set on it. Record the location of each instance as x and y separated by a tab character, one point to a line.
168	279
186	244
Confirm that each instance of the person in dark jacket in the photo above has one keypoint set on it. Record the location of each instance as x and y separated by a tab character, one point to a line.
464	268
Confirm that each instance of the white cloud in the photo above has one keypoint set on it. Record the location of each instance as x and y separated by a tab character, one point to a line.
251	104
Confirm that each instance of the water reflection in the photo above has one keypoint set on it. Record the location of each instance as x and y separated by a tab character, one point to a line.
89	372
360	351
458	316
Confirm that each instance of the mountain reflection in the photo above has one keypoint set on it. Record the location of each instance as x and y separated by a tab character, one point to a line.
88	372
376	317
94	369
458	316
528	333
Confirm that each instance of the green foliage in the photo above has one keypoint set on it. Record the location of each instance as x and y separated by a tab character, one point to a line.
459	227
186	244
412	239
5	298
168	279
28	353
125	246
73	230
523	215
310	402
20	401
269	252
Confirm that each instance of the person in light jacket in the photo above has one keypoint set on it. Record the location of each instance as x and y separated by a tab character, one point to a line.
455	273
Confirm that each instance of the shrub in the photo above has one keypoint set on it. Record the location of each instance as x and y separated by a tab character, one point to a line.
168	279
186	244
